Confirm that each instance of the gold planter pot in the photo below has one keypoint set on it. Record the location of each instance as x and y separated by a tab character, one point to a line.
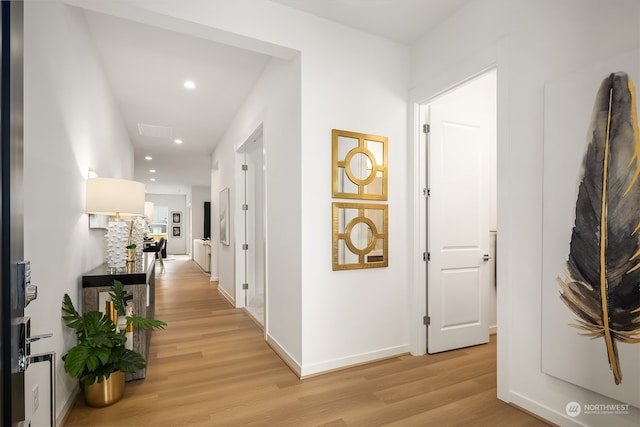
105	393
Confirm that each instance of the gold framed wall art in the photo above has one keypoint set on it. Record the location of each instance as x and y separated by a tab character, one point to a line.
360	236
359	165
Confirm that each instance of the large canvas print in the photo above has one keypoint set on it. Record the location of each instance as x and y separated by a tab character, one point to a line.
591	230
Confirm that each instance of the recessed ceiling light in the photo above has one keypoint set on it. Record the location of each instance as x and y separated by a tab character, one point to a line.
152	170
189	84
152	179
148	157
177	141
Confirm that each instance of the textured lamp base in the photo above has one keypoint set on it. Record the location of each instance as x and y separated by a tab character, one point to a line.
116	240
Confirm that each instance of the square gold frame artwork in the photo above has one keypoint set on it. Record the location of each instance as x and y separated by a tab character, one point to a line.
360	236
359	165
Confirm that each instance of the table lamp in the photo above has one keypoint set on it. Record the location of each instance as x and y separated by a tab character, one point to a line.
115	197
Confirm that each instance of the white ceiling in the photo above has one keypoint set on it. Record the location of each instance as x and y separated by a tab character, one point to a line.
146	67
403	21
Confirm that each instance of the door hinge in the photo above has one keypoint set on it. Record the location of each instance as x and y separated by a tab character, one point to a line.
426	256
426	128
245	246
426	192
245	286
426	320
245	207
245	167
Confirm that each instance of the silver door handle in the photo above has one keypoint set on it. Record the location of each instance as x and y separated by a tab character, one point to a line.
31	293
486	257
35	338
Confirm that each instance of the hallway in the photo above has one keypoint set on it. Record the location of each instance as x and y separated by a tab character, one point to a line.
211	367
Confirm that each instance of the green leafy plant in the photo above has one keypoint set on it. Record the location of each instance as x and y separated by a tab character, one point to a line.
118	295
131	246
101	345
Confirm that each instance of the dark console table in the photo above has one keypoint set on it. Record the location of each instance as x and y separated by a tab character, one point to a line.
139	281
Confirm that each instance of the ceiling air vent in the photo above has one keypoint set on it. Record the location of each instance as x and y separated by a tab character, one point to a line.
155	131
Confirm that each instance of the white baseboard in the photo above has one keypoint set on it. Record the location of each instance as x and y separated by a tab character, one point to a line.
227	296
336	364
214	279
542	411
64	412
493	330
285	356
350	361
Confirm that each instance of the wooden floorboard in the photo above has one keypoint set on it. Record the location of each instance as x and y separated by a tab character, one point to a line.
212	367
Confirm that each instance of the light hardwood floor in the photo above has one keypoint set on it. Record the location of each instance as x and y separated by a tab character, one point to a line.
211	367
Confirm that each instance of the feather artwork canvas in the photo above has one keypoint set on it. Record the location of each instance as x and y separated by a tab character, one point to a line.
591	230
602	283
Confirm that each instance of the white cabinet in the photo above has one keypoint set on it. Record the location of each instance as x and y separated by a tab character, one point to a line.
202	254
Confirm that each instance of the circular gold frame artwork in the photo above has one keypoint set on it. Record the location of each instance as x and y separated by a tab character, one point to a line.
359	165
360	237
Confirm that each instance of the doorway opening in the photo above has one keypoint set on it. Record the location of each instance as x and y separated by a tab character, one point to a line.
458	166
251	227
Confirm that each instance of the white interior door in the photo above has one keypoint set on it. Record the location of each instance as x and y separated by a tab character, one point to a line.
251	261
255	227
458	215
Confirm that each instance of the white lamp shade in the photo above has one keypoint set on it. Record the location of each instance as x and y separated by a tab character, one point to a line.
111	196
148	210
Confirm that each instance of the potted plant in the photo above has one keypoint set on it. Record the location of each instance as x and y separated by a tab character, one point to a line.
131	245
100	359
131	252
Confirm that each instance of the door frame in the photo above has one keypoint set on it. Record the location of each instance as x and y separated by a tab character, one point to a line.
459	94
418	333
12	390
240	150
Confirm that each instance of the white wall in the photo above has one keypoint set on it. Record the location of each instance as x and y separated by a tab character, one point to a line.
223	169
215	227
349	80
71	125
532	42
275	103
368	308
357	83
320	318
